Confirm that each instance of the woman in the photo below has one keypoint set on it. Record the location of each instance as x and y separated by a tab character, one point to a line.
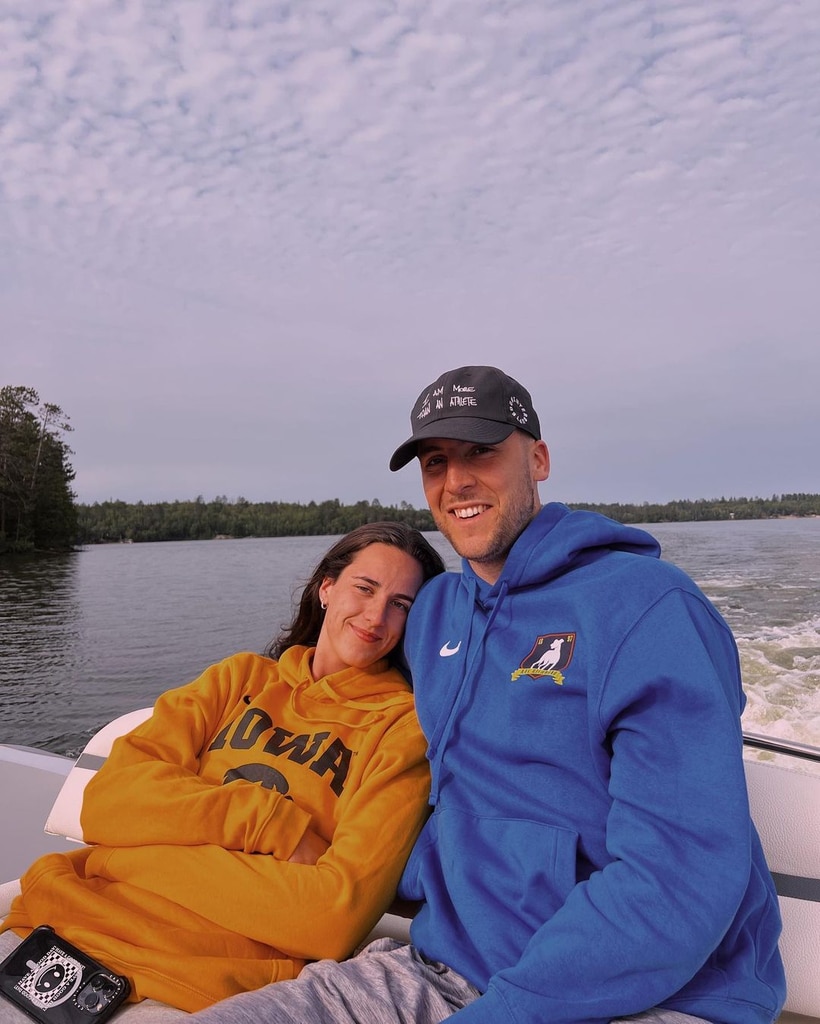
261	817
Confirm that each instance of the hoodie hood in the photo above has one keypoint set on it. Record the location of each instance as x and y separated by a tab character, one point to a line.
574	539
345	695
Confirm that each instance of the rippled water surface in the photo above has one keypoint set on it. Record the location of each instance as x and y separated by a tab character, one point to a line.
764	577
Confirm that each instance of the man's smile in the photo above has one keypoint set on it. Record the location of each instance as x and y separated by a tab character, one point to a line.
470	511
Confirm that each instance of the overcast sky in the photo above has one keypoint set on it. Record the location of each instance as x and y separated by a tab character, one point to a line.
238	238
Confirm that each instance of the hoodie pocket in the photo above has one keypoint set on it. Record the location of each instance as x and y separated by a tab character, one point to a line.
494	879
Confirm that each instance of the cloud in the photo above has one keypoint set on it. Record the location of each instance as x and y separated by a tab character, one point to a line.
236	239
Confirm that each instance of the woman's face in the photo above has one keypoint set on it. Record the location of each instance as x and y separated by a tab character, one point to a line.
367	608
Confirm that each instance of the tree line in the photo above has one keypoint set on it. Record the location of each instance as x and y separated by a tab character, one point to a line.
37	509
112	521
711	509
109	521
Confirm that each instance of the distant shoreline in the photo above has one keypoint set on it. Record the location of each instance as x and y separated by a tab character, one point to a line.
119	521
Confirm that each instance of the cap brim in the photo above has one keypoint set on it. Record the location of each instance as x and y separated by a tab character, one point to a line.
461	428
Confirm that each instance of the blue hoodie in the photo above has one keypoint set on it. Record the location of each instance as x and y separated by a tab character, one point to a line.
590	853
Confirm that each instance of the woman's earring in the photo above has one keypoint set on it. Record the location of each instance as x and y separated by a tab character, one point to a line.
322	605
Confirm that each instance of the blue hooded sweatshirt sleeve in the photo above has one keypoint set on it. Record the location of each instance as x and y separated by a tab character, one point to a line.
590	854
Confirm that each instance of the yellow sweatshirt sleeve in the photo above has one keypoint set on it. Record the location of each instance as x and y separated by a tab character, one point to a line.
306	911
149	791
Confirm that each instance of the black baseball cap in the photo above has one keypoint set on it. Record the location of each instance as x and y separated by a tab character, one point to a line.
472	403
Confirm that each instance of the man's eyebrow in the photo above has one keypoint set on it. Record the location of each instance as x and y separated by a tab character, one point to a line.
375	583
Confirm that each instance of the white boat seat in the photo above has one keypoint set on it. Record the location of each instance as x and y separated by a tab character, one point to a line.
785	804
64	817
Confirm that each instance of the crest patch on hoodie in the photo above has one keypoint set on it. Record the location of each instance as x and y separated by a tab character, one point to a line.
550	655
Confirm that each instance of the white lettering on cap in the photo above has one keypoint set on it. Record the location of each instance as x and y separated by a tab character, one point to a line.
517	410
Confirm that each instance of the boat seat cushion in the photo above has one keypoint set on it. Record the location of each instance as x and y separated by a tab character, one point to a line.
64	817
785	803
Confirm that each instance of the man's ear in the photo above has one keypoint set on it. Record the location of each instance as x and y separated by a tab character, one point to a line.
540	461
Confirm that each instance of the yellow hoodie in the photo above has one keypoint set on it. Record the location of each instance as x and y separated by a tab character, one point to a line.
187	889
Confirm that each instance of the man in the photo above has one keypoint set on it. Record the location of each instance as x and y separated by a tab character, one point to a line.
590	855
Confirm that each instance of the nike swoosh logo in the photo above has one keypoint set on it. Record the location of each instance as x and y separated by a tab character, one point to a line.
447	651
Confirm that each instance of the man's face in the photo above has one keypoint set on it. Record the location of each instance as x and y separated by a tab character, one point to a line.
481	495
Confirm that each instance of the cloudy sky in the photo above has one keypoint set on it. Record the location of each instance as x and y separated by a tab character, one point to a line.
237	238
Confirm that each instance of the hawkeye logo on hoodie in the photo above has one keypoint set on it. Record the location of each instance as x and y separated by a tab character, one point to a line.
550	654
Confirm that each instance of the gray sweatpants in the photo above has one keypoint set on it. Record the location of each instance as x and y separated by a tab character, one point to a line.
387	983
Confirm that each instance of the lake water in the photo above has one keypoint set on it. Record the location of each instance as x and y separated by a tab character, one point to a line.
87	636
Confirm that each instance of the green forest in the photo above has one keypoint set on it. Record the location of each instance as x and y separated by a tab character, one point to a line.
205	520
109	521
37	507
39	511
710	509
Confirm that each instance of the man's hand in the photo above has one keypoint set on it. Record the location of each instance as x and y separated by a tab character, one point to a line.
310	849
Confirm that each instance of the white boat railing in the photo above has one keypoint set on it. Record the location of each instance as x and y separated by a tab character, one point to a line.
778	745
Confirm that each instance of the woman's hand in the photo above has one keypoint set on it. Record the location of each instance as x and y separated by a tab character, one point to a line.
310	848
